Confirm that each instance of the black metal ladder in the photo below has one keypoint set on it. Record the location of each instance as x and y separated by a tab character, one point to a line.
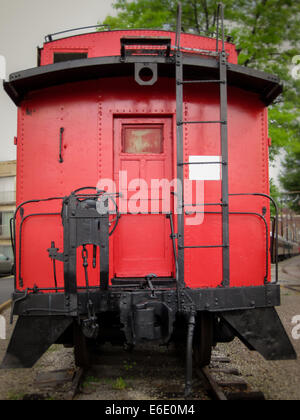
224	204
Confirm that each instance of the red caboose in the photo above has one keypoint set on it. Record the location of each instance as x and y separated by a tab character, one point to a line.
143	197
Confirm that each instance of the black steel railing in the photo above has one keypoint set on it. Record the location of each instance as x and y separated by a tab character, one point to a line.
49	38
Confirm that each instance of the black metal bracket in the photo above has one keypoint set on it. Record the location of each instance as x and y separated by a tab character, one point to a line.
153	43
83	225
61	132
54	254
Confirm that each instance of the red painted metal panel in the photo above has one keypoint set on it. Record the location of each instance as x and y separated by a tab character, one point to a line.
151	139
248	173
91	114
41	175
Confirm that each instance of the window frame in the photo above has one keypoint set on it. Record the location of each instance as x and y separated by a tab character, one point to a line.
142	126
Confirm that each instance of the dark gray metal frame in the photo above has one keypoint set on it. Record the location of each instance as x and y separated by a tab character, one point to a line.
222	81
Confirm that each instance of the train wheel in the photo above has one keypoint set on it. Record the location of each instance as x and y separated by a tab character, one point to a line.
203	339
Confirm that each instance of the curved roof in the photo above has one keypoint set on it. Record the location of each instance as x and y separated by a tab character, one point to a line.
199	58
107	43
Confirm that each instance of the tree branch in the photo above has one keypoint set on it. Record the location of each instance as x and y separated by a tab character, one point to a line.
196	16
205	8
254	30
257	16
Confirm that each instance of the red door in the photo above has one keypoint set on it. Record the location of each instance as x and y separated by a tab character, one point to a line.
142	171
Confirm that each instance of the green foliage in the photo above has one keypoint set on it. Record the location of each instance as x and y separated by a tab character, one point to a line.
120	384
128	366
141	14
14	396
276	194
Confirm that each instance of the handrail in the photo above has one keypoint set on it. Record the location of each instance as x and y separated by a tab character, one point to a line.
276	225
49	38
240	213
20	209
20	279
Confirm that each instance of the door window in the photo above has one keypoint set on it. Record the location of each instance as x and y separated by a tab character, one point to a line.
142	139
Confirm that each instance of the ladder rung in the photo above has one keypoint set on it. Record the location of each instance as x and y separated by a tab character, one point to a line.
202	163
201	122
203	246
185	82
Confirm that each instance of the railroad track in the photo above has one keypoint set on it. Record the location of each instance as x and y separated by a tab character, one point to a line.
225	383
293	287
210	383
155	373
148	374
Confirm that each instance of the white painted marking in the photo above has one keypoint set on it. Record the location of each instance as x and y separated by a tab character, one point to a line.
207	172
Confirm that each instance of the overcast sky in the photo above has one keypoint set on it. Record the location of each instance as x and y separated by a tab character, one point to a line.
23	25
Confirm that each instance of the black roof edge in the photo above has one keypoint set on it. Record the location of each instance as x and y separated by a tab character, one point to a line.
21	83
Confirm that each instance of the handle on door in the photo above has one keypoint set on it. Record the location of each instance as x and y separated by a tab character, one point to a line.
61	132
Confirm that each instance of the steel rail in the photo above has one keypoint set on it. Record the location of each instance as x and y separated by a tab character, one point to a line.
210	384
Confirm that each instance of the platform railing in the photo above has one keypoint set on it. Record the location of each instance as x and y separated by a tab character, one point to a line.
49	38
